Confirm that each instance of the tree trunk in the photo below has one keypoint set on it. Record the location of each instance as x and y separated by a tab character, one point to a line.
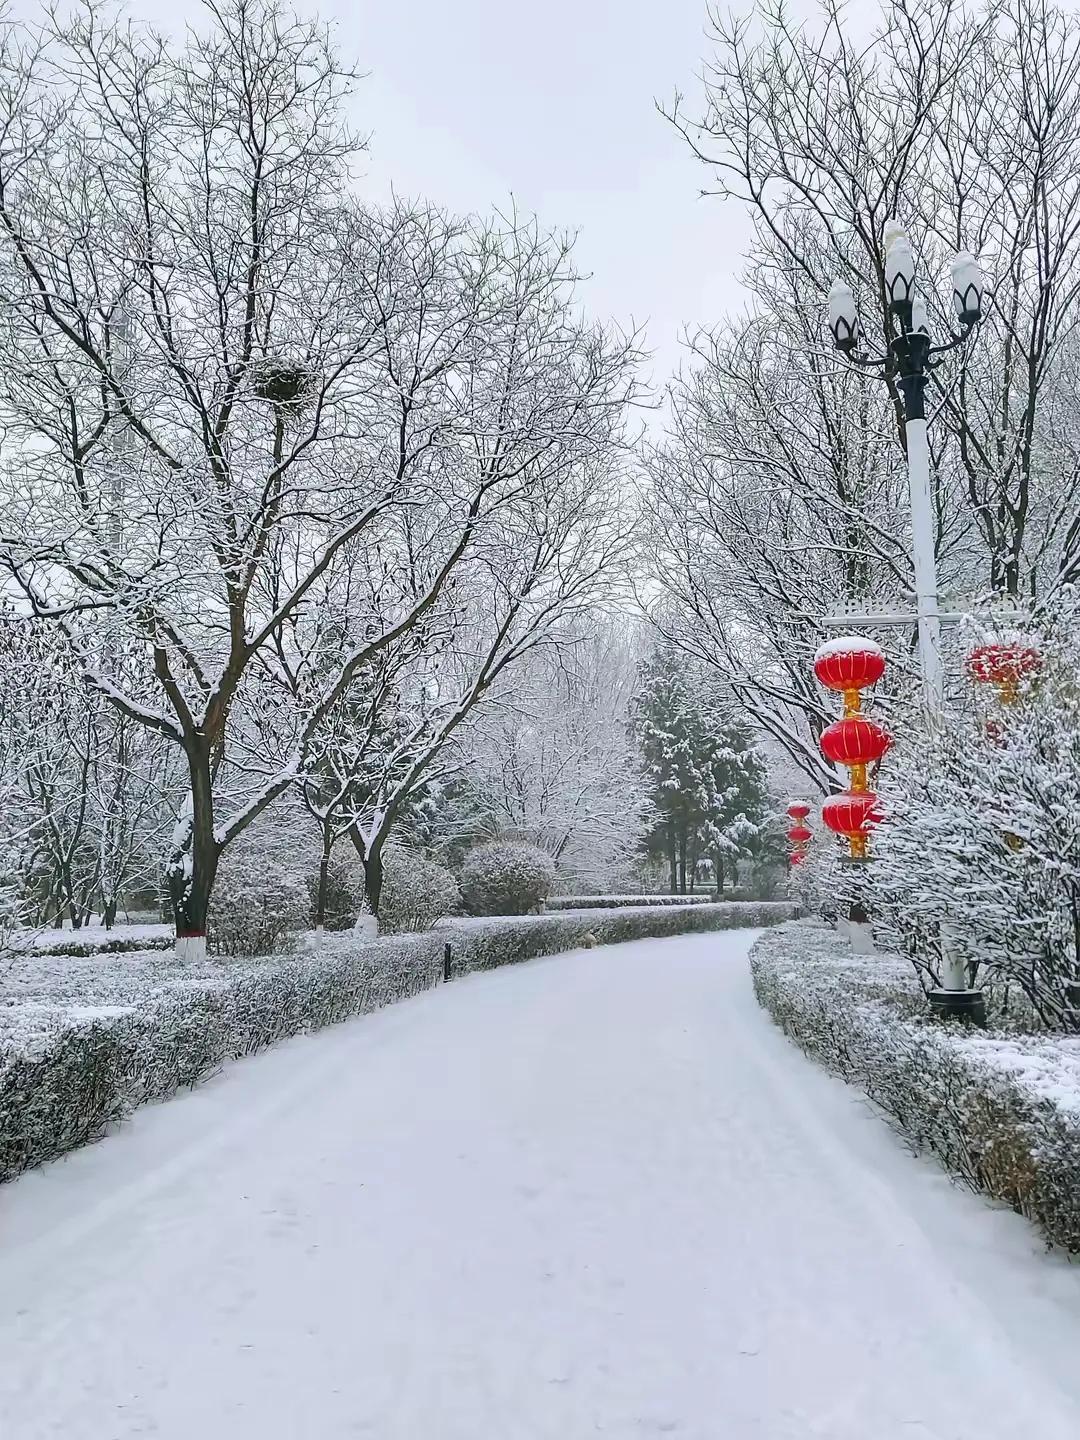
373	879
324	878
194	864
718	868
673	860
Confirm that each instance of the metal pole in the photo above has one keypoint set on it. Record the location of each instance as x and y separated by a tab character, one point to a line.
912	352
925	563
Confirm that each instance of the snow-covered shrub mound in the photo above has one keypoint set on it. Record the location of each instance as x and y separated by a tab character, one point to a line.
344	897
259	903
1000	1112
506	877
69	1069
415	892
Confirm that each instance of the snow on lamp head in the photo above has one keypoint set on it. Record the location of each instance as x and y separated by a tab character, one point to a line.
968	284
900	276
843	316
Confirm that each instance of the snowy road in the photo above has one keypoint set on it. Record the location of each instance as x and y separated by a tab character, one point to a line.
594	1195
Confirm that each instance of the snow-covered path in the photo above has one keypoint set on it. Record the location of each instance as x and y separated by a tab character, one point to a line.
593	1195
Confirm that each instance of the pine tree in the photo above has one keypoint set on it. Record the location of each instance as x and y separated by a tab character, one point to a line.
706	779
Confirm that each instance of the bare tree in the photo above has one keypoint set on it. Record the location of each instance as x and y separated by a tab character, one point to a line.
782	492
302	377
552	760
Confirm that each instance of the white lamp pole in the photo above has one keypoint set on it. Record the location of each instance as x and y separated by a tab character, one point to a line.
909	359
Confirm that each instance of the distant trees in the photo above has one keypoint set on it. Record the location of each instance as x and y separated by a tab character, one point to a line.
552	759
706	780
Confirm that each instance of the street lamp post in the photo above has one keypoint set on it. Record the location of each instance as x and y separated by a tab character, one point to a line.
908	360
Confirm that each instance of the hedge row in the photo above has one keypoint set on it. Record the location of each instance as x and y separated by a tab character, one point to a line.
619	902
108	945
1000	1112
65	1082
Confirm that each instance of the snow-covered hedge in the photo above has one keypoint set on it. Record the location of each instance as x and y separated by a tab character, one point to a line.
415	893
506	877
619	902
260	901
107	944
67	1073
1000	1112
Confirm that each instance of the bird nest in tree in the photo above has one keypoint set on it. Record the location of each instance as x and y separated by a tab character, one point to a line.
281	382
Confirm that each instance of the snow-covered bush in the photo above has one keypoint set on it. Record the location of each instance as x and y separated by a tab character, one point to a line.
506	877
1001	1113
981	838
106	945
260	901
65	1078
415	892
343	898
619	902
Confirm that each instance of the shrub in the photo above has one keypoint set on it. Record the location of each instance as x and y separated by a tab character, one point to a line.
259	903
620	902
506	878
110	945
1000	1113
415	893
984	809
344	892
64	1079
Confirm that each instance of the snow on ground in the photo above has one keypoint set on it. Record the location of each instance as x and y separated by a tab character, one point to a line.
96	935
598	1194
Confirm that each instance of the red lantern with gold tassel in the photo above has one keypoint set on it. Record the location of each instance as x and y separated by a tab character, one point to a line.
798	834
855	742
851	814
1005	666
849	665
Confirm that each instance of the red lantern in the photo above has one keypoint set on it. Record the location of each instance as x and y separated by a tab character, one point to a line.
1004	666
849	663
799	835
798	810
854	741
852	813
798	857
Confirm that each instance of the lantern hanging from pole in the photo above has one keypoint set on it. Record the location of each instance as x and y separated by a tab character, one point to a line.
851	814
855	742
1005	666
799	835
849	665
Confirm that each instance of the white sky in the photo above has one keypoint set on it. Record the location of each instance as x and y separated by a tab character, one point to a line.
475	101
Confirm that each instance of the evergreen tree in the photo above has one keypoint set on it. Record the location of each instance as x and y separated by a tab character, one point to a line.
706	779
